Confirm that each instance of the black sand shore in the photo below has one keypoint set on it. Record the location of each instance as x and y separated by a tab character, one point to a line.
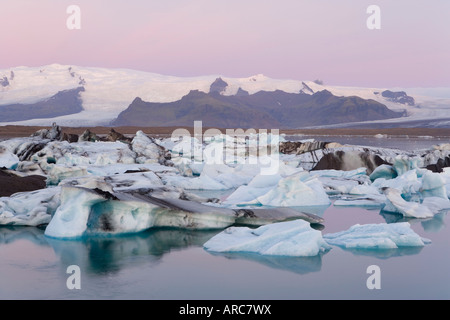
11	131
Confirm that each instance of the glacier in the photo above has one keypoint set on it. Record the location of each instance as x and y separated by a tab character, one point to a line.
109	91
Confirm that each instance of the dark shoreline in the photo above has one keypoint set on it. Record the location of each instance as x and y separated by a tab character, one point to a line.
12	131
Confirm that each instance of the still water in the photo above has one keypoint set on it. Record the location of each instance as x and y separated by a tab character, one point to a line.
401	142
172	264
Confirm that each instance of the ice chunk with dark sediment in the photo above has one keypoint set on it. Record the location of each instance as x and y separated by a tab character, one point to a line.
32	208
94	208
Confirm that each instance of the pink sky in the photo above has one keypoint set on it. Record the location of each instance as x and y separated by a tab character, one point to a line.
286	39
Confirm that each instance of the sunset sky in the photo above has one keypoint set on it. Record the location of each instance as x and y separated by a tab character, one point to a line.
285	39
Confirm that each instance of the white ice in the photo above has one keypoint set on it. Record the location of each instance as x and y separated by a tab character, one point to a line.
410	209
29	208
7	159
292	238
376	236
299	189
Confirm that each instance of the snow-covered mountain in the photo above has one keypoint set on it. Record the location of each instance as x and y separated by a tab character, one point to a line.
108	92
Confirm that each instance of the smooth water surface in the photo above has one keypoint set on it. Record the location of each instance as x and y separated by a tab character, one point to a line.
171	264
395	142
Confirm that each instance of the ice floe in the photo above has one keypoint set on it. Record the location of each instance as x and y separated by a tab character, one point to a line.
29	208
376	236
293	238
299	189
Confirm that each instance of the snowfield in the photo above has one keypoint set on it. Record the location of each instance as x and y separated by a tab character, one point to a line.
110	91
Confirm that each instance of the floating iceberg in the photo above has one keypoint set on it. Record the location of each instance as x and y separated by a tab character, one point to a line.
85	211
403	164
108	206
296	190
384	171
396	203
376	236
292	238
338	182
433	185
29	208
408	183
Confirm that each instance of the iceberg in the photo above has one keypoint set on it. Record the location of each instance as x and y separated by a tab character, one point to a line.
29	208
300	189
408	183
204	182
85	153
396	203
363	195
403	164
291	238
433	185
84	211
92	207
376	236
148	151
71	217
7	159
338	182
384	171
59	173
258	186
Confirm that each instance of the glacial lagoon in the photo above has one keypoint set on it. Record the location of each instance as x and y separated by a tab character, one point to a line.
171	264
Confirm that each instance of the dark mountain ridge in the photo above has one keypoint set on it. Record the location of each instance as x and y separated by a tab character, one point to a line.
263	109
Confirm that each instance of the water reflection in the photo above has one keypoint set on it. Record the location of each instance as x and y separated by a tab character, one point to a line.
10	234
106	255
110	255
432	225
435	224
385	253
299	265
